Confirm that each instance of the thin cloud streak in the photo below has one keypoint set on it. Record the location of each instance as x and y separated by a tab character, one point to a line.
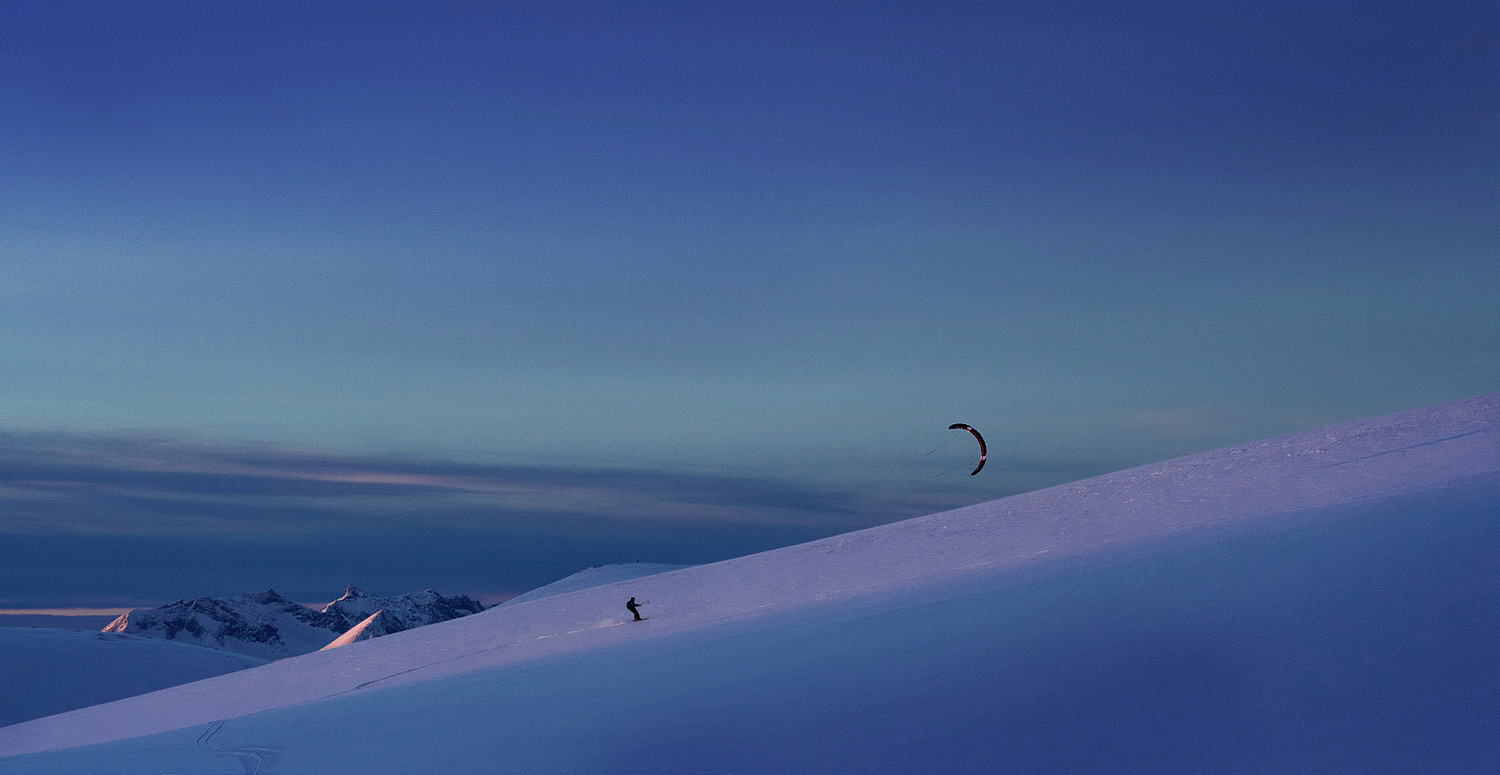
120	485
96	521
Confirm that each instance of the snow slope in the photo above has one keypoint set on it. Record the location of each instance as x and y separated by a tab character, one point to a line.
598	575
1322	602
45	671
374	626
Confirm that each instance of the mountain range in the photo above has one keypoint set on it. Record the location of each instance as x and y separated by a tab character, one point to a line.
268	626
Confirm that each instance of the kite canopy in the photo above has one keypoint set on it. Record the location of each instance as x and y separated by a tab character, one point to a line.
977	436
958	426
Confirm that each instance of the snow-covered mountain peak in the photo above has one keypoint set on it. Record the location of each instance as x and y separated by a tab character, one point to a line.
268	597
264	625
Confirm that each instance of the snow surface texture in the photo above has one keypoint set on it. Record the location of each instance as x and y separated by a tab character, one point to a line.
1318	603
47	671
268	626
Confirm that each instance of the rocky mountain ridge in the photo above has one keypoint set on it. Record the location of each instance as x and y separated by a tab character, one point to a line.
269	626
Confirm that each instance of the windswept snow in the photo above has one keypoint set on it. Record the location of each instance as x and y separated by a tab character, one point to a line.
45	671
1322	602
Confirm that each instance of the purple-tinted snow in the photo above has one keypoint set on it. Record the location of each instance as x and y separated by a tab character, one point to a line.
1317	602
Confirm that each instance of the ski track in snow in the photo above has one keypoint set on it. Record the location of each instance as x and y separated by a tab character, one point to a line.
254	760
1411	447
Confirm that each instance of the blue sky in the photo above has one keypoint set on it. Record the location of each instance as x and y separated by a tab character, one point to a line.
688	254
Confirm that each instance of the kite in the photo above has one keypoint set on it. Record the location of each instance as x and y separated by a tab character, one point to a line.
958	426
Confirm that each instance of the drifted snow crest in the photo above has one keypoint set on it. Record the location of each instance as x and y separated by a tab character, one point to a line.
269	626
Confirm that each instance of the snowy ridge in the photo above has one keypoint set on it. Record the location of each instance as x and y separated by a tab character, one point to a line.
805	627
595	576
376	625
269	626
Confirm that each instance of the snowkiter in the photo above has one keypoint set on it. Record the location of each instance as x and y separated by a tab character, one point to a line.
630	605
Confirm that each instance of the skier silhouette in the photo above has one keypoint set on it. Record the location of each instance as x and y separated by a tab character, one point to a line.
631	606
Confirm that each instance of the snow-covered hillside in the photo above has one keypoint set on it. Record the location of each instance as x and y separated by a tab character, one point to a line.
1322	602
382	623
45	671
268	626
594	577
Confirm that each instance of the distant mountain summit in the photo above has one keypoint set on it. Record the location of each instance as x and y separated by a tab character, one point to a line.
269	626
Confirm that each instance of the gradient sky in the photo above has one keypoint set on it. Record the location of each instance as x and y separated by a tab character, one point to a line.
730	270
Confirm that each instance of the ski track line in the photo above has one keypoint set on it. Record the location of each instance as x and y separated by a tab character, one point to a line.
246	756
1409	446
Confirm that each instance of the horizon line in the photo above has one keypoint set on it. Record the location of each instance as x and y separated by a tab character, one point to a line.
65	611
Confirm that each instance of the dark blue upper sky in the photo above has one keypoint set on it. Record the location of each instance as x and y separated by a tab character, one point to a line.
775	243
